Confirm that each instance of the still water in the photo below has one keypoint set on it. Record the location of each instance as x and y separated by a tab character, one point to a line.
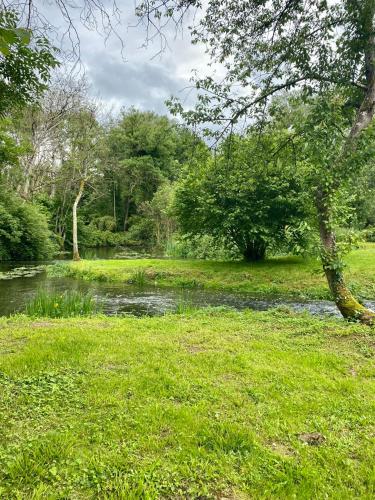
22	280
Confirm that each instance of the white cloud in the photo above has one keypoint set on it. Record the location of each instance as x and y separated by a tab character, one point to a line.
138	76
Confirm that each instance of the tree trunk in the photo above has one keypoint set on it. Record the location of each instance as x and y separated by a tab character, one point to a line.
26	187
29	169
114	204
75	230
347	304
254	250
126	217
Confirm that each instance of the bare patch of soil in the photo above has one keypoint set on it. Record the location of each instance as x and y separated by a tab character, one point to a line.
312	438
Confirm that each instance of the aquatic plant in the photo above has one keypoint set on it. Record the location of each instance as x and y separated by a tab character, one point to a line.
185	306
22	272
61	305
138	278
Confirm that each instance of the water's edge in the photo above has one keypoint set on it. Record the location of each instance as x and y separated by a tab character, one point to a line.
20	283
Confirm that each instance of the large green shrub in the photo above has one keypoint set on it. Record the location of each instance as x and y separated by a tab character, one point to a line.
24	233
246	199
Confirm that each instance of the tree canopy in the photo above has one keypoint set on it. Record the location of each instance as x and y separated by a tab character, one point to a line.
247	195
266	47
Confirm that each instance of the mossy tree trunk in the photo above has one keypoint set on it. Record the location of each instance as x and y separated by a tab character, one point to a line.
347	304
75	224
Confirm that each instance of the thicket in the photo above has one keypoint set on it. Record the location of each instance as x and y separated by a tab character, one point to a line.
24	231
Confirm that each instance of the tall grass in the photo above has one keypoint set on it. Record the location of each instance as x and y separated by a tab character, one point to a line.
185	306
58	270
138	278
61	305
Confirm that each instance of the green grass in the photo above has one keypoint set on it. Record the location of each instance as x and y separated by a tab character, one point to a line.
210	404
292	276
61	305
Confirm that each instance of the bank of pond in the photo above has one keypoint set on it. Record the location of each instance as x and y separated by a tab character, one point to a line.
133	284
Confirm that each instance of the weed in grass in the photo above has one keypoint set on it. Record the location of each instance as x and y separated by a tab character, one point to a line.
39	394
61	305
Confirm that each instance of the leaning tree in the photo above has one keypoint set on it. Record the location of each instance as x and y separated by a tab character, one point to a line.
269	47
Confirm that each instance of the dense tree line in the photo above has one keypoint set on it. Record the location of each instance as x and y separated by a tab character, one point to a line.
144	180
95	181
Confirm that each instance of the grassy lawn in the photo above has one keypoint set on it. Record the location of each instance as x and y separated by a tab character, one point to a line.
214	404
288	275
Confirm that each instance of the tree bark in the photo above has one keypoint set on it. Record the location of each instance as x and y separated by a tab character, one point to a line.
126	217
114	204
75	229
347	304
255	250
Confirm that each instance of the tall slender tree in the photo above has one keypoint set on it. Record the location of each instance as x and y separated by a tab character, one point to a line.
81	164
42	127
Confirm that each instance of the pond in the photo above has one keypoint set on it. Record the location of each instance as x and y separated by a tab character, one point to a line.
20	282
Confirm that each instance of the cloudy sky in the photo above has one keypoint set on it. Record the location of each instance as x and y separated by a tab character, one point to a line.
137	75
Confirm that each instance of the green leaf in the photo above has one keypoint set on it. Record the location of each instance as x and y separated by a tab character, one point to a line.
4	47
24	35
9	36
